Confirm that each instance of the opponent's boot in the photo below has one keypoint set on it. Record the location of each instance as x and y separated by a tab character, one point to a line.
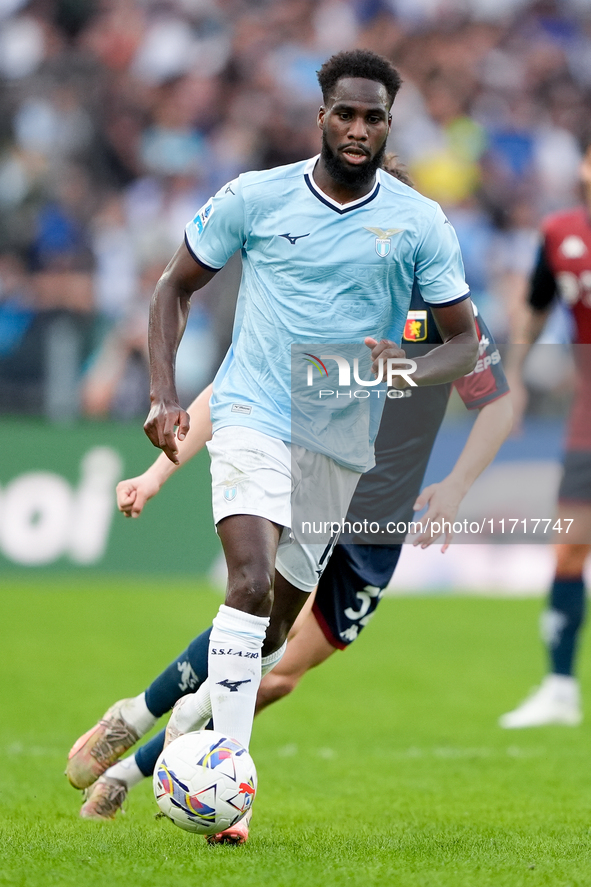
555	701
101	746
103	799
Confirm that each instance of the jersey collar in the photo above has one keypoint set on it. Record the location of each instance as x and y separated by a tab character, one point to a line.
328	201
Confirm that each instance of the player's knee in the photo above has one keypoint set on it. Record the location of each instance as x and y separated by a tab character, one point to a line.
250	588
570	560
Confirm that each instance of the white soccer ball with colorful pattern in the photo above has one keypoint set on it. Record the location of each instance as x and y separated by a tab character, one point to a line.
205	782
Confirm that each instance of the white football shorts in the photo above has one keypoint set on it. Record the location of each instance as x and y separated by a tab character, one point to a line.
253	473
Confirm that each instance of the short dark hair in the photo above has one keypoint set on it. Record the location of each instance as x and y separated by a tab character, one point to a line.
358	63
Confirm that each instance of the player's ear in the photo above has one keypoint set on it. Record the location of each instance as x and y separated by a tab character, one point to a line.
321	116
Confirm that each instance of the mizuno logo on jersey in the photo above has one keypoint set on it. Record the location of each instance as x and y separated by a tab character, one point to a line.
229	189
383	239
293	237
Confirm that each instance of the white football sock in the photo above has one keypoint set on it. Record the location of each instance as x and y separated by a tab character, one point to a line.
193	711
137	714
234	666
126	771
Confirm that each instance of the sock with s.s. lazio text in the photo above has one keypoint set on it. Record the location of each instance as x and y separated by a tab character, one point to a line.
194	712
234	665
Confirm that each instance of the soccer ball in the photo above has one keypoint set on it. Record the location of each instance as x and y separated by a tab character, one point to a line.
205	782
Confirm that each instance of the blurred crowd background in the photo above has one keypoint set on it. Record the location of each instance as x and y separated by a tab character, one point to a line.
119	118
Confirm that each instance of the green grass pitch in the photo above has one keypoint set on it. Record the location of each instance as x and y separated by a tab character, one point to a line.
386	767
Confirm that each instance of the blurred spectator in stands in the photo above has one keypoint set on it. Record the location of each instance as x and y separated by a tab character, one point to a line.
118	118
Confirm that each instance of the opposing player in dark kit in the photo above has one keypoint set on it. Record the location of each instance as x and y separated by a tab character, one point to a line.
563	271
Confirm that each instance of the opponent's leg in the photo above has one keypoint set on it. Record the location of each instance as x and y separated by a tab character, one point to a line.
305	650
105	797
557	699
562	621
129	719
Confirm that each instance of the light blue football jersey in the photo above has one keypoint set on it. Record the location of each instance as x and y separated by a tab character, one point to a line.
317	273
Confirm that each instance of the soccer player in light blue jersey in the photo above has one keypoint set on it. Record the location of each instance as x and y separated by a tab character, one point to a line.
330	249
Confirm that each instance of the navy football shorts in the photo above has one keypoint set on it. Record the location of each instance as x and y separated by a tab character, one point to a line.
350	589
575	485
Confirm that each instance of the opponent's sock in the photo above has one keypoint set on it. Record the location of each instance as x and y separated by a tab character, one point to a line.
148	754
235	670
184	675
126	771
137	714
562	621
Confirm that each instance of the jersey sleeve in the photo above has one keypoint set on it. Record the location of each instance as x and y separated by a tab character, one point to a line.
439	269
542	285
487	381
218	229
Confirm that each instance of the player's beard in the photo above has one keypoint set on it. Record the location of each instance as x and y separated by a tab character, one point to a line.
350	176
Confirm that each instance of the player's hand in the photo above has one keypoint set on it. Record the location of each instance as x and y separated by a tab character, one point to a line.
385	349
443	500
132	494
162	419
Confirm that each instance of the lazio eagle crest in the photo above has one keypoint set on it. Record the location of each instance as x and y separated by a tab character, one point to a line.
383	242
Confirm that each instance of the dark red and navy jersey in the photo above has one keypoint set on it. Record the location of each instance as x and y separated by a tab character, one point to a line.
563	270
410	424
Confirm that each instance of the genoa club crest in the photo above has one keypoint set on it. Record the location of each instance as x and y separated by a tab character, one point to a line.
415	328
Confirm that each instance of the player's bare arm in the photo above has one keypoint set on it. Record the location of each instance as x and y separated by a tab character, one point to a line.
455	358
490	430
168	316
134	492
